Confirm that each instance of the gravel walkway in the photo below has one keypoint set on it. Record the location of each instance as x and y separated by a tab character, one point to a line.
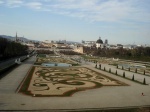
104	97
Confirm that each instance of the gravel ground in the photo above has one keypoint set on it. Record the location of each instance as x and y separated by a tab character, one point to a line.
104	97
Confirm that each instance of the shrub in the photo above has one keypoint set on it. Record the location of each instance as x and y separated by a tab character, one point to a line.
133	77
109	70
116	72
144	72
123	74
136	70
99	66
96	66
104	68
144	81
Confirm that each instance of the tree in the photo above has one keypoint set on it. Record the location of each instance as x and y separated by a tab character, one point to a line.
104	68
129	68
109	70
133	77
144	72
99	66
136	70
9	49
144	81
96	66
3	44
123	74
116	72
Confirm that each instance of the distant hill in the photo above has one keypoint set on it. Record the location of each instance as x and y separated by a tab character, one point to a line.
27	40
8	37
20	38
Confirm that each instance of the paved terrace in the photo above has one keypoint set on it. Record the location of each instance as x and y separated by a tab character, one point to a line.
104	97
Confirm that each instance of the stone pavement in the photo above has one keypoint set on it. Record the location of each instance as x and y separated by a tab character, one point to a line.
104	97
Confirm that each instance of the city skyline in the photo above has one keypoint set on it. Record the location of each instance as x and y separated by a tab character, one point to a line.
119	21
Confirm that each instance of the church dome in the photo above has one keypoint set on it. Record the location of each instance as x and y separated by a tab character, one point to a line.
99	41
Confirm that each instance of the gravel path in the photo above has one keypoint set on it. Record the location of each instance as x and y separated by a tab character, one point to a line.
104	97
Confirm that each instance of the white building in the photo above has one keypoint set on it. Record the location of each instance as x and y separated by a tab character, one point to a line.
88	43
99	43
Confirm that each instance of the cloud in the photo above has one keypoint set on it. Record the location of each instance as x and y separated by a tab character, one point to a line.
99	10
34	5
91	10
14	3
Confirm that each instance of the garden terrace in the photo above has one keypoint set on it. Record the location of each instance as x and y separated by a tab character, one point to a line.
39	61
62	81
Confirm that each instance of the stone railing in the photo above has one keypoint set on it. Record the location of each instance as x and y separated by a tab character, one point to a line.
8	63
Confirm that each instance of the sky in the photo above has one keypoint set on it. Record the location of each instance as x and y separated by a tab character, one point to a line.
118	21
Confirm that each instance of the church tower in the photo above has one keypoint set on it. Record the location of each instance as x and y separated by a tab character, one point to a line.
99	43
16	38
106	41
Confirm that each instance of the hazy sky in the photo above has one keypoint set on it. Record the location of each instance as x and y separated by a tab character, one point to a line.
119	21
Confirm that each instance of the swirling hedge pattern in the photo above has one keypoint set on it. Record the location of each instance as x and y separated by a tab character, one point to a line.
53	60
64	81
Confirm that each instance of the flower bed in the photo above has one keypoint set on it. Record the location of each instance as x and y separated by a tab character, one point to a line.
62	81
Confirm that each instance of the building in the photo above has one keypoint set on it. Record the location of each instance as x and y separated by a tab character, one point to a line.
129	46
99	43
88	43
106	42
79	49
59	44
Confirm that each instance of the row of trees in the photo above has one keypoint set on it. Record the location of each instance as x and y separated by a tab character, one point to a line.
69	53
10	49
139	53
44	52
